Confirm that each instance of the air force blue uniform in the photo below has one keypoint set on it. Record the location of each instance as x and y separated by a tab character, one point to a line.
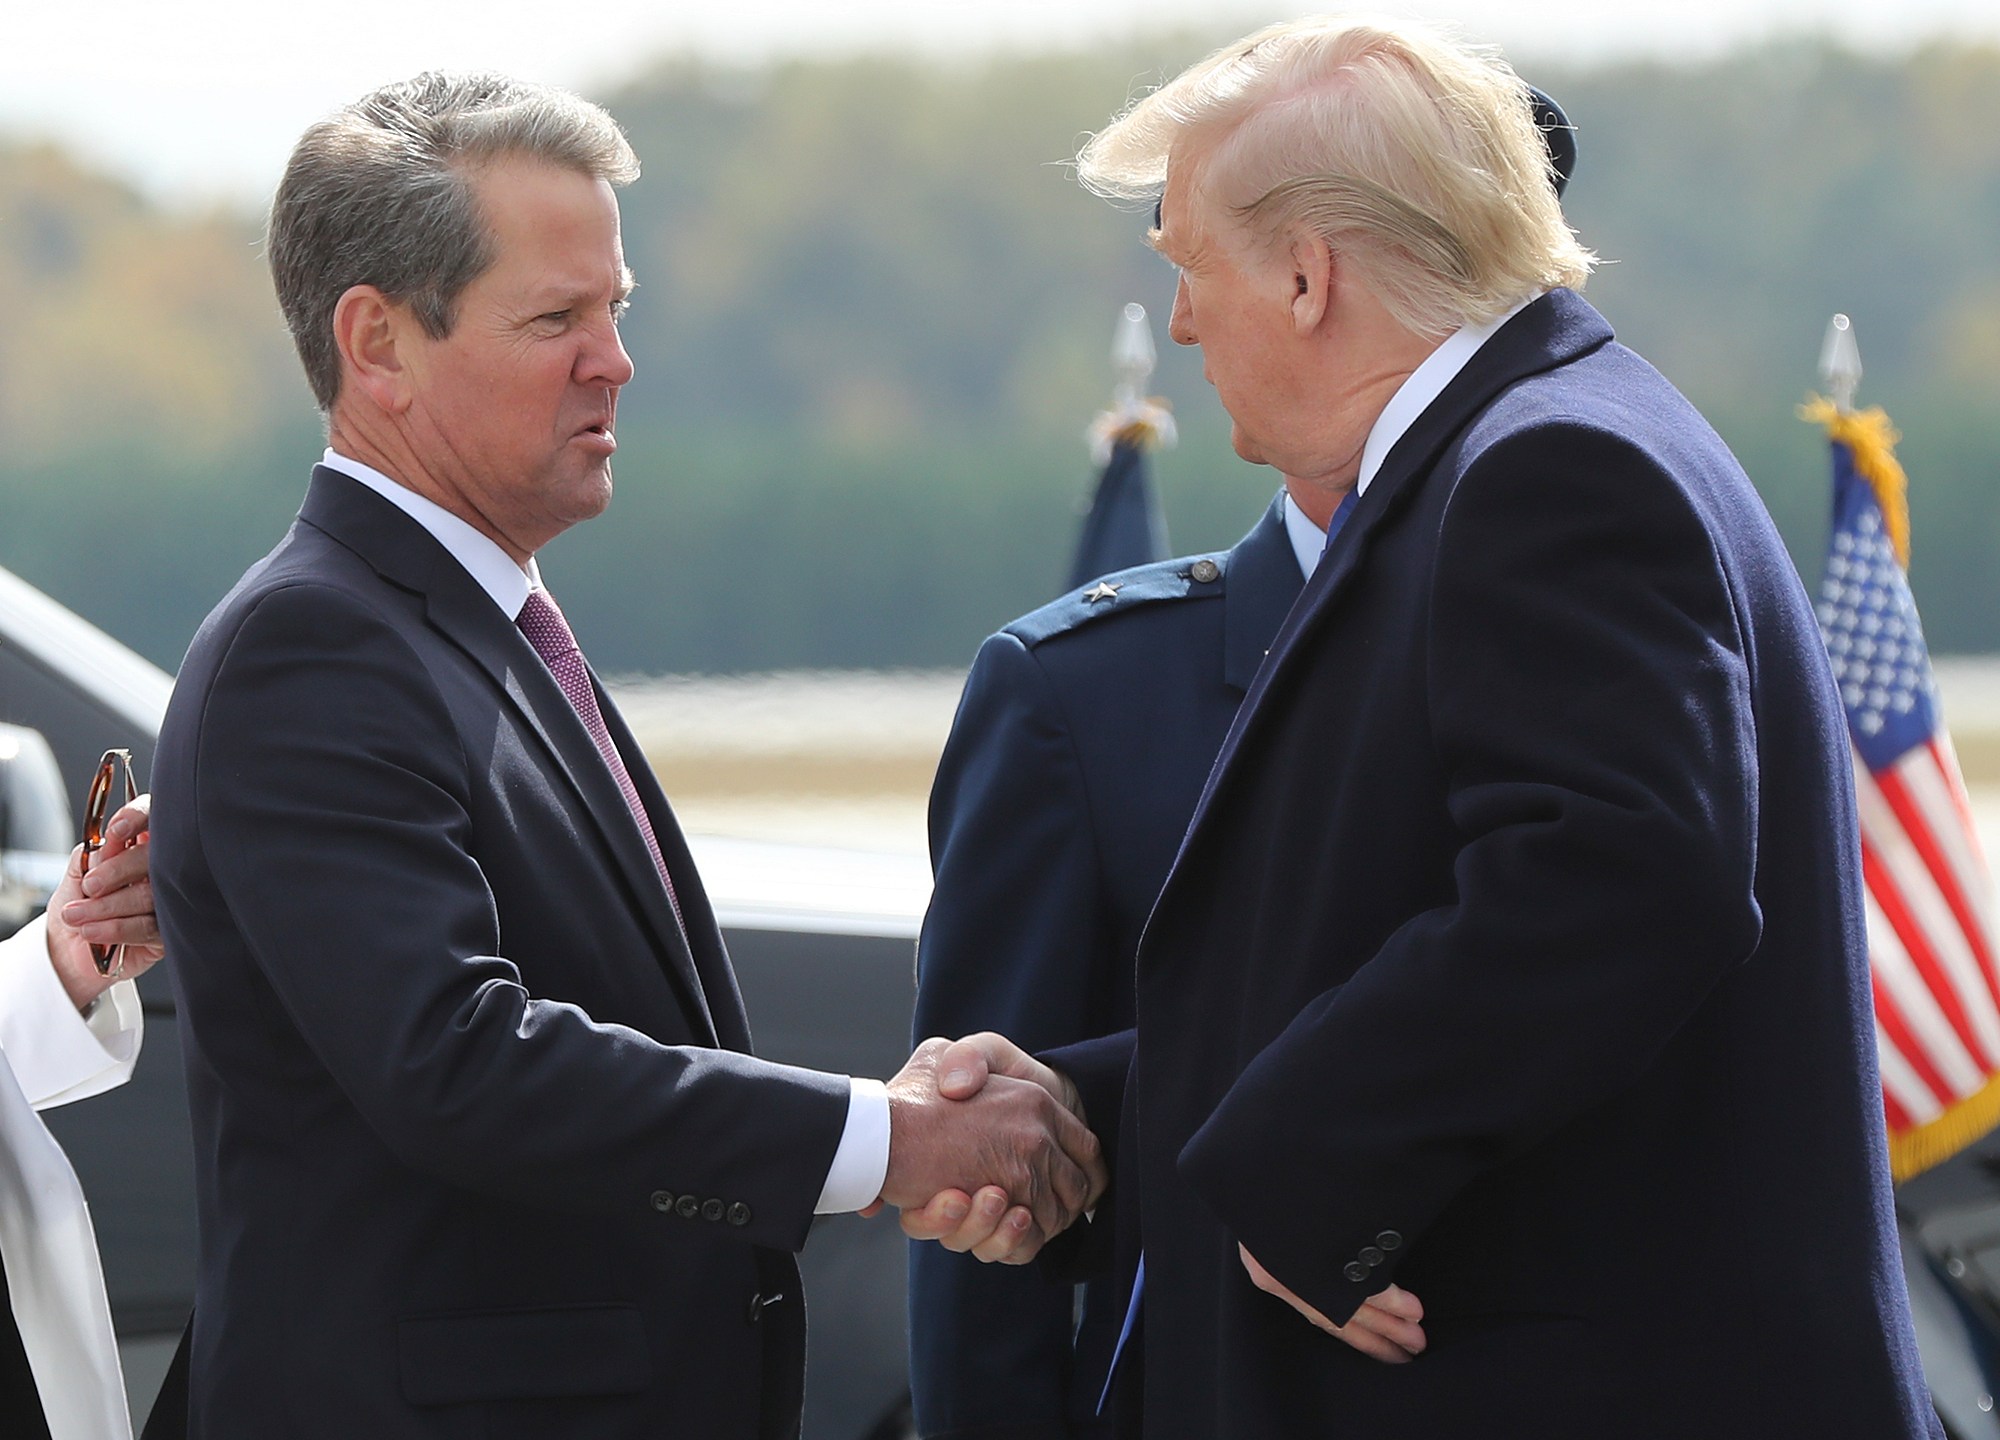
1079	750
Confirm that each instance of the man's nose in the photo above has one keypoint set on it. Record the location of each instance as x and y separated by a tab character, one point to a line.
604	361
1180	325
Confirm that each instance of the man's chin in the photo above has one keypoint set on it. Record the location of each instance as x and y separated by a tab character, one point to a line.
1245	447
585	496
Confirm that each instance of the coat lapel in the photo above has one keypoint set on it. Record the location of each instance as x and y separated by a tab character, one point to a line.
1558	328
406	555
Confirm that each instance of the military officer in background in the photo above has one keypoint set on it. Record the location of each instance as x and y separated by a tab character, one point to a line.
1078	752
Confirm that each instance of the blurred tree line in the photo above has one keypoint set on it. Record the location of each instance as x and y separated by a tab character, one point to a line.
874	320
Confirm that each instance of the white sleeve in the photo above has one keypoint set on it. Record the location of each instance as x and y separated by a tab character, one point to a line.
861	1163
57	1054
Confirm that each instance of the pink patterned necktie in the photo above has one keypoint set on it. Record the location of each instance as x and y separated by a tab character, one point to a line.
549	633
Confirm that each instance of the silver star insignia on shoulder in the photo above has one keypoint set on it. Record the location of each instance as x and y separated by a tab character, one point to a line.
1102	590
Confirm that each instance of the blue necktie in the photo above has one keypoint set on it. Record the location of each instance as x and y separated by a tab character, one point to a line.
1340	513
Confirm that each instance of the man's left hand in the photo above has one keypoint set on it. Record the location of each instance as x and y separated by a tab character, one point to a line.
1388	1326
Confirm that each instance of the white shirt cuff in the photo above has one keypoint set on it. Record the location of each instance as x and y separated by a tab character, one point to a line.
861	1164
56	1054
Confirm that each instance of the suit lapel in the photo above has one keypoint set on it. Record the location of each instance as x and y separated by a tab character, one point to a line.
1558	328
405	554
711	958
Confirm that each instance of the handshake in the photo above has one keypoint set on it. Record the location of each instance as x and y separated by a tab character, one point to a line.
988	1150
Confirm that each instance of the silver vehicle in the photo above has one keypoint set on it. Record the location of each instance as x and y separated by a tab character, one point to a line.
35	826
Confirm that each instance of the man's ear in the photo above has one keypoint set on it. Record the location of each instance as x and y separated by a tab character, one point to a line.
1312	281
373	334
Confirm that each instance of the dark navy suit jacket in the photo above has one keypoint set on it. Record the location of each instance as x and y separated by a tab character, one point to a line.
1081	744
1515	955
480	1150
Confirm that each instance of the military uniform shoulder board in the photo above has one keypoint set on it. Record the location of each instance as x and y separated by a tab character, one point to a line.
1187	577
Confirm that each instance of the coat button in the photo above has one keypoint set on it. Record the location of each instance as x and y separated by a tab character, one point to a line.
687	1207
663	1201
739	1214
1205	572
1389	1240
1355	1271
711	1210
1370	1256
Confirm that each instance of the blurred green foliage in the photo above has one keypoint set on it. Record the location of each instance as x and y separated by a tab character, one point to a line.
874	319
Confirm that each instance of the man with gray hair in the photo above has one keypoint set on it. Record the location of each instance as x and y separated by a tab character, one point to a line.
1514	953
481	1148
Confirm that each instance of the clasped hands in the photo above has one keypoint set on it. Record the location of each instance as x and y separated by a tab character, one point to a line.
983	1110
988	1149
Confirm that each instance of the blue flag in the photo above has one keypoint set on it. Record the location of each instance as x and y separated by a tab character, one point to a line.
1125	526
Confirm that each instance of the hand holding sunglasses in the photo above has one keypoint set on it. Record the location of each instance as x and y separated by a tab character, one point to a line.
97	814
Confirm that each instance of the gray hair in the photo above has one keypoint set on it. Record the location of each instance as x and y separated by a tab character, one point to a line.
381	193
1414	155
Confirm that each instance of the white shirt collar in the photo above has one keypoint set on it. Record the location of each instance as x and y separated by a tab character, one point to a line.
1308	540
1425	384
493	568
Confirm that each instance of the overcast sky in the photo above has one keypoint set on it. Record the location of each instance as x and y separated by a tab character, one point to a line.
199	99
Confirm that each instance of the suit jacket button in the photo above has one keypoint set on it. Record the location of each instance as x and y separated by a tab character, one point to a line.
1355	1271
1389	1240
1370	1256
687	1207
1205	572
663	1201
739	1214
711	1210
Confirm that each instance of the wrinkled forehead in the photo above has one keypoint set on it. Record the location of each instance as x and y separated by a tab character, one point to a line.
1186	216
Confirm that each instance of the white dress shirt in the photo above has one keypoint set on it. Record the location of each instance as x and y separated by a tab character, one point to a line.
861	1164
1424	385
1308	540
1411	399
50	1055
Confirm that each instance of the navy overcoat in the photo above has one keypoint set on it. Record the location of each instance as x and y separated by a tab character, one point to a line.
1515	955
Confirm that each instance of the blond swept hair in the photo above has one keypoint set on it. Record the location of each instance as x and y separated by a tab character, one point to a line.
1414	155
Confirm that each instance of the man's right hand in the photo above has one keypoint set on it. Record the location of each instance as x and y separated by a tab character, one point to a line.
980	1115
994	1222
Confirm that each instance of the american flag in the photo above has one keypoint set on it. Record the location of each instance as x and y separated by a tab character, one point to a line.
1931	935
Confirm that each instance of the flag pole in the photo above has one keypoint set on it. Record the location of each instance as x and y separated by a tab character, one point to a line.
1133	357
1134	418
1124	525
1840	363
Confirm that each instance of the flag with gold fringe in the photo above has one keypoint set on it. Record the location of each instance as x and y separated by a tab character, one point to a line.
1125	525
1931	934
